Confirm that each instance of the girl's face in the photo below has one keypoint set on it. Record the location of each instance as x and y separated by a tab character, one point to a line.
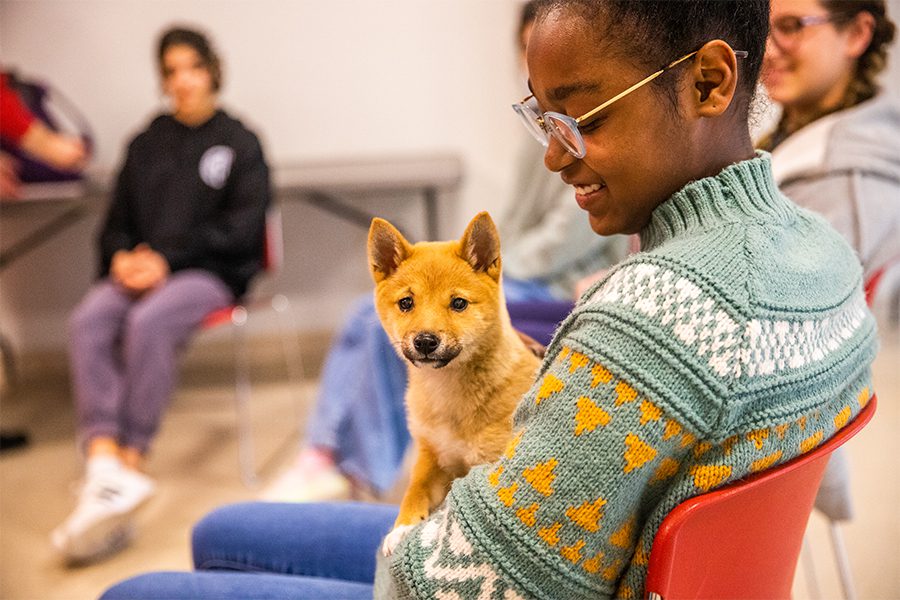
806	68
637	150
188	83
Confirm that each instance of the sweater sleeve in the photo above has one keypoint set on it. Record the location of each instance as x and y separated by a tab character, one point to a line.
15	118
119	231
562	514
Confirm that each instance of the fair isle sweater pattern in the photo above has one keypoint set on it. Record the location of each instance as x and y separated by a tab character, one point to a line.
663	384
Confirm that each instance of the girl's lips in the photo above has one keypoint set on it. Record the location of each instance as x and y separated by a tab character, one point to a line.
585	195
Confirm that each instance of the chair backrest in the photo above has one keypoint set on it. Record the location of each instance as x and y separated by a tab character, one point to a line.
742	540
273	246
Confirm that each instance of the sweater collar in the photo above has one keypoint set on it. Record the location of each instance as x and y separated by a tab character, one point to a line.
740	192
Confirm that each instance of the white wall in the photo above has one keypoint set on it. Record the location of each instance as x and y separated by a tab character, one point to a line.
315	79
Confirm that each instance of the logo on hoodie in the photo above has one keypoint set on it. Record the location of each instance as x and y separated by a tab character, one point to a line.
215	166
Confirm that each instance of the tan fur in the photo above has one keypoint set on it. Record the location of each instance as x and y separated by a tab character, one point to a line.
459	414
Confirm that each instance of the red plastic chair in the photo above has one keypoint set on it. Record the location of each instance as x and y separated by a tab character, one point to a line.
237	315
742	540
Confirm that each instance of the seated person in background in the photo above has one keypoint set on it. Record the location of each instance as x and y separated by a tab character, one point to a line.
836	148
358	430
183	237
737	339
24	130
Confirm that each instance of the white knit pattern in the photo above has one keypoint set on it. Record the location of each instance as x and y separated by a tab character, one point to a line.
447	537
761	347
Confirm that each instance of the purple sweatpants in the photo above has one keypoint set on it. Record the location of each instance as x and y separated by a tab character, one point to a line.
124	352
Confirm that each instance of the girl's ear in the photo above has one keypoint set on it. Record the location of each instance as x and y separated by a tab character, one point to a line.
715	76
859	34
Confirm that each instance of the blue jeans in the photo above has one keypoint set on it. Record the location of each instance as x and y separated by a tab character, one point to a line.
359	413
268	551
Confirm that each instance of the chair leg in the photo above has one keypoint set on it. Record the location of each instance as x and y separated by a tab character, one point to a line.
809	569
842	560
242	398
291	351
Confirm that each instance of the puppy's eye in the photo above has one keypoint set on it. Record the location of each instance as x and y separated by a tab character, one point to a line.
405	304
459	304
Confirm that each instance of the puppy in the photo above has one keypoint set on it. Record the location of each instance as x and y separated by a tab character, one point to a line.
442	306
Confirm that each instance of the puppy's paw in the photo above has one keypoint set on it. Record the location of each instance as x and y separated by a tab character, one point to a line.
393	538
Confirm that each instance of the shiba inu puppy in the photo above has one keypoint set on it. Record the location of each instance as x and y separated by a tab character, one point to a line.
442	306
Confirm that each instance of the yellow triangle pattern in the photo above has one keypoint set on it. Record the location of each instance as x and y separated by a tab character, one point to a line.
810	442
541	476
701	448
672	429
667	468
765	462
842	417
863	398
572	553
781	430
728	444
577	361
494	476
611	573
758	437
626	393
707	477
588	515
624	536
649	412
550	534
549	386
687	438
640	555
601	375
513	444
593	564
637	453
528	515
589	416
802	423
507	494
564	353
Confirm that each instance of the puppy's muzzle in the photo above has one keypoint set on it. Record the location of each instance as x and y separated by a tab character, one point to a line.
427	349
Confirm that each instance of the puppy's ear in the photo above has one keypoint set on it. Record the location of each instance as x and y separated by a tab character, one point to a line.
387	248
480	245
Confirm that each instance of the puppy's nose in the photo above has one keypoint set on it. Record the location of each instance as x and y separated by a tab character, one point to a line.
426	343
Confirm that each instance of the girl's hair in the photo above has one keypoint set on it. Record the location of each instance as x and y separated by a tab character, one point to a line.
873	60
656	32
180	36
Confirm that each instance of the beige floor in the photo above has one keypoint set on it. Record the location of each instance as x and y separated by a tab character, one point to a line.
195	462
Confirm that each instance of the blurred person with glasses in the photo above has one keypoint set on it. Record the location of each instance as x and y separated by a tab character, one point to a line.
836	147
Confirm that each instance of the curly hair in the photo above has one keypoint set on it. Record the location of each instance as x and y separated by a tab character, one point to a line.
654	32
874	59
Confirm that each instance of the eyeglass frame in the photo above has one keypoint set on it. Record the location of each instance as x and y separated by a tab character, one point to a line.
528	115
805	21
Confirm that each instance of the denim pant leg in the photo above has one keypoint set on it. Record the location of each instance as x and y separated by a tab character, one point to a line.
359	412
157	328
265	550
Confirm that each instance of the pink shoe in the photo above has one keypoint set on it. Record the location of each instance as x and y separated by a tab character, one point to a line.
314	477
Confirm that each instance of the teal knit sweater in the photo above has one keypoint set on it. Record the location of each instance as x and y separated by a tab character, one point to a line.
737	339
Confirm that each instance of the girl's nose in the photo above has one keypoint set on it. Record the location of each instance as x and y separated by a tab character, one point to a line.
556	157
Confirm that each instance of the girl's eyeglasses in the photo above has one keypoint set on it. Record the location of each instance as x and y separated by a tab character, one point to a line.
566	129
786	31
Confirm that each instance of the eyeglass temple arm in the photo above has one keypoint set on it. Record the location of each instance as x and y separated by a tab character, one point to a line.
648	79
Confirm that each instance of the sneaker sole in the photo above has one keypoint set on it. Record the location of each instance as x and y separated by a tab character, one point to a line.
101	539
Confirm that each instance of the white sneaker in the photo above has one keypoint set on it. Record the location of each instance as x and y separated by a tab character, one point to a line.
312	478
101	523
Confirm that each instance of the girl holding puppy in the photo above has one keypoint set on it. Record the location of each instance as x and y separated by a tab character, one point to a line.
692	364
